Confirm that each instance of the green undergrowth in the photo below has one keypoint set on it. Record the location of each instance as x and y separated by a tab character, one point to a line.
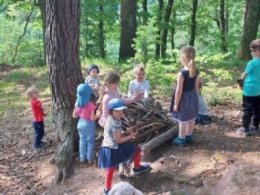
218	73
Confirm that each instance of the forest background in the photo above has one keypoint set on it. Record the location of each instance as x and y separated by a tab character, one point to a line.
116	35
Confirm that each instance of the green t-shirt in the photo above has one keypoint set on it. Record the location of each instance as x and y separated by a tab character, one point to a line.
251	85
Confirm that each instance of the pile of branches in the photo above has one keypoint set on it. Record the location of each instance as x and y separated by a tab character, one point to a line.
152	123
148	118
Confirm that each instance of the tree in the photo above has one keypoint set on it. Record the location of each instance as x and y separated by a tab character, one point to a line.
223	25
101	36
159	19
128	29
62	55
251	23
164	32
193	22
42	6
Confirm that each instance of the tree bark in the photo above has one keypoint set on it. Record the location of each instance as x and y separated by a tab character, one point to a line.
164	33
158	43
250	27
128	29
223	26
62	55
101	37
193	22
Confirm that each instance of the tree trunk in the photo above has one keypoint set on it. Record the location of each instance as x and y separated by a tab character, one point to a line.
158	43
145	10
172	31
166	20
250	27
42	6
62	54
101	37
128	29
193	22
223	26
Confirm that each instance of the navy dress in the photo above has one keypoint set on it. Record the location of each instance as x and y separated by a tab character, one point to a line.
188	106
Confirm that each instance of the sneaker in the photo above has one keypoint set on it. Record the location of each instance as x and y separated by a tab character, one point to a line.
141	169
242	132
179	142
106	192
188	139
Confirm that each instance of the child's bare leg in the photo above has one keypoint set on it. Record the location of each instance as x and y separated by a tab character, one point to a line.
191	125
183	126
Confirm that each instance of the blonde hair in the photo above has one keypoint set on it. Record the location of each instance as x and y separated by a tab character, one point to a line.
31	90
189	53
139	67
109	78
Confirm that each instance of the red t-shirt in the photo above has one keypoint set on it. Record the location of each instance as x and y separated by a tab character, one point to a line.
37	111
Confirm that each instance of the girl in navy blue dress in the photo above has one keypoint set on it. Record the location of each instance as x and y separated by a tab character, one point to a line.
185	100
115	147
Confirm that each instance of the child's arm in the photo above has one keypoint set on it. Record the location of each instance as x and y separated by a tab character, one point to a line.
198	85
75	113
119	138
243	76
178	92
146	89
94	116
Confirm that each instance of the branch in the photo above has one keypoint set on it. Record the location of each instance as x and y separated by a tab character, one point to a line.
24	31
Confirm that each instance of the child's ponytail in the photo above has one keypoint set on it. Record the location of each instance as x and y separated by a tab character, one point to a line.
192	69
189	53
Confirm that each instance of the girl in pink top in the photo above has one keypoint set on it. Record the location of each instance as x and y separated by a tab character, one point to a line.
108	91
86	126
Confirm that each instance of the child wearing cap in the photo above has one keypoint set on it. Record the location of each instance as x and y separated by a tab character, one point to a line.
115	148
85	110
38	117
92	79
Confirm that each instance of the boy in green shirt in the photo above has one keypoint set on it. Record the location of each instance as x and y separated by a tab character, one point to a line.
251	92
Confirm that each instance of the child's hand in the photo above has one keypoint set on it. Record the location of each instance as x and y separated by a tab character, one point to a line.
134	134
98	113
240	83
175	108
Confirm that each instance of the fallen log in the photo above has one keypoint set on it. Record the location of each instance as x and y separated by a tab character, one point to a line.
158	140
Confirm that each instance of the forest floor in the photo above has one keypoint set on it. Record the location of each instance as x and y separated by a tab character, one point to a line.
217	162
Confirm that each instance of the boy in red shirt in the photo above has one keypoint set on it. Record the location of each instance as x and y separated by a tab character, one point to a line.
38	117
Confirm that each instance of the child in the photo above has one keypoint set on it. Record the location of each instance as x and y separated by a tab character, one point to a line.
203	117
185	106
124	188
85	110
139	84
115	149
108	91
251	92
92	79
38	117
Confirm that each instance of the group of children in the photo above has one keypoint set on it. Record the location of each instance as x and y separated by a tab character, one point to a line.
187	103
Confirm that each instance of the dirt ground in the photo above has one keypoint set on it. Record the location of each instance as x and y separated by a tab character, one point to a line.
217	162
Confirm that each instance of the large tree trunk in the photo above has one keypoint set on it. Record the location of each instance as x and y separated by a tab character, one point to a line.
42	6
223	26
250	27
193	22
128	29
62	54
166	20
101	37
159	18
